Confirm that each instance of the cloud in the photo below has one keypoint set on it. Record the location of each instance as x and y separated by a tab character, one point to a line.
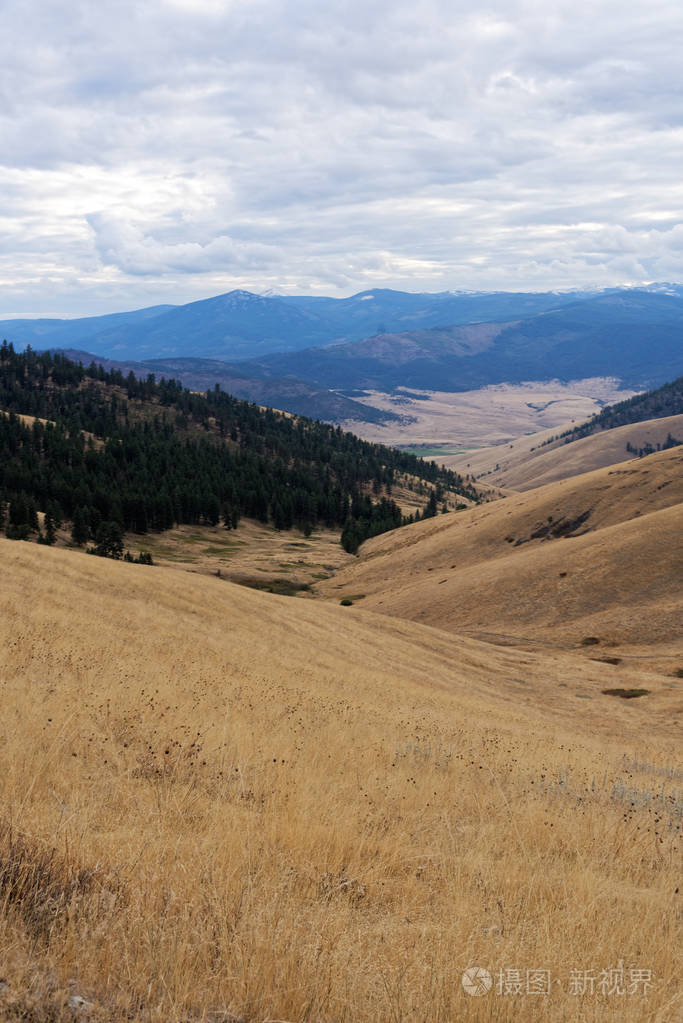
182	147
124	246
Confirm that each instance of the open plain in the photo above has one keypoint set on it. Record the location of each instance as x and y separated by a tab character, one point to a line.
437	423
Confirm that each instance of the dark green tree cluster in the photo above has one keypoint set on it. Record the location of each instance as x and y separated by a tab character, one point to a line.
649	449
118	454
368	518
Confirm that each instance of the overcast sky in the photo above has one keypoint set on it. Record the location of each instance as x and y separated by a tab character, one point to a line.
168	150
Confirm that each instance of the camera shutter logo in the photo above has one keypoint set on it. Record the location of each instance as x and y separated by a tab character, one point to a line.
477	981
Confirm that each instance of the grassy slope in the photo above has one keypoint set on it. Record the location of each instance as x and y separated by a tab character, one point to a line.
466	572
296	811
525	464
259	555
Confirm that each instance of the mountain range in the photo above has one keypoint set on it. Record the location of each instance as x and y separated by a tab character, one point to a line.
635	336
315	356
242	325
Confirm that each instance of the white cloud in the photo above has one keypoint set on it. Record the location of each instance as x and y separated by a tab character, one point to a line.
172	149
124	246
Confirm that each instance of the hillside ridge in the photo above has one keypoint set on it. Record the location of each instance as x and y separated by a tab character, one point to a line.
534	460
599	551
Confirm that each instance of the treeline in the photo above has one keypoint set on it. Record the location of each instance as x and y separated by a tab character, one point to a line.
649	449
370	519
147	455
664	401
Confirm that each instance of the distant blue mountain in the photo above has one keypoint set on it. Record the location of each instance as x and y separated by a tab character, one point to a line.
636	336
386	339
241	325
42	334
383	311
237	325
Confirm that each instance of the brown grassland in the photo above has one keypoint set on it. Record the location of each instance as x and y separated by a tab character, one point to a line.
286	562
527	462
595	555
222	804
490	415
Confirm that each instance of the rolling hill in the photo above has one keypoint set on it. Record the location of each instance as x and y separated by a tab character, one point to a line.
656	404
221	805
226	805
541	458
287	394
642	424
597	555
110	454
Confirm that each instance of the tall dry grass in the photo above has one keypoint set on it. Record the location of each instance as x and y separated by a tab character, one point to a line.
220	805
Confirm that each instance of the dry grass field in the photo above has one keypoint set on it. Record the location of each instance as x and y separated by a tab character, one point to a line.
597	555
442	422
286	562
220	804
253	555
527	462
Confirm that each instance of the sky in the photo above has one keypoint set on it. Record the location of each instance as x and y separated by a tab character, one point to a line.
171	150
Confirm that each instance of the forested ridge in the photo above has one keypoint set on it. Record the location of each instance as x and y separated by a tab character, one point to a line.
657	404
125	454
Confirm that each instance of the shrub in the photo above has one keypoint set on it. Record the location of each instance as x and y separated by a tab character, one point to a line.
626	694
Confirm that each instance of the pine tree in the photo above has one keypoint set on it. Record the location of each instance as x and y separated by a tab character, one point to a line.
50	535
80	530
109	540
351	538
432	507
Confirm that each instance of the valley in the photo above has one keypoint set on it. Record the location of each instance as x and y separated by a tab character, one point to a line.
365	722
442	423
341	512
193	767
